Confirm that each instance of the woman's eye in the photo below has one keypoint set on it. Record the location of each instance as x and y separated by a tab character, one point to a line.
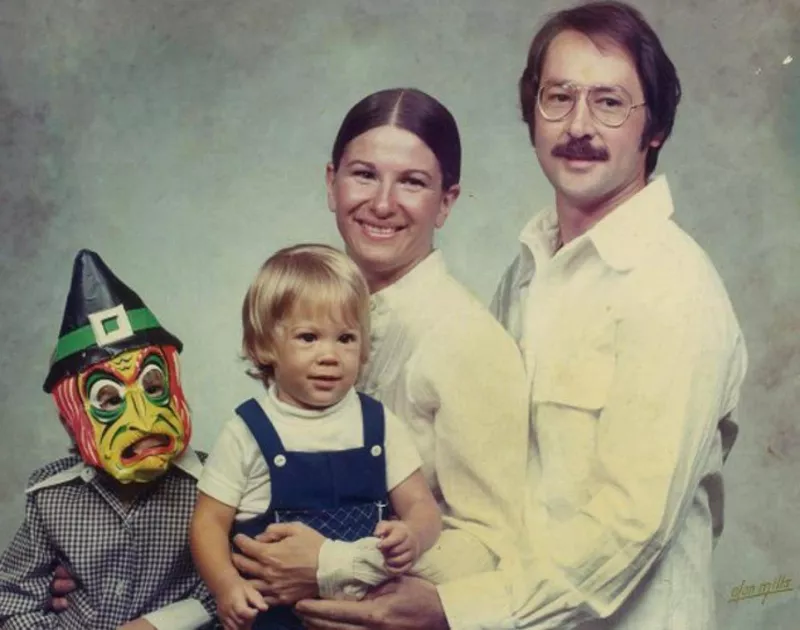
364	174
414	182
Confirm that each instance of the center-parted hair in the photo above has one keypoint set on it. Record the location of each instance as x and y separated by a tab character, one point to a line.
317	280
411	110
624	26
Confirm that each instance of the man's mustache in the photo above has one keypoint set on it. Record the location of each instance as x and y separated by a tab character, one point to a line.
580	149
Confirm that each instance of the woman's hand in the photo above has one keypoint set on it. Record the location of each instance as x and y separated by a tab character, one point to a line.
405	603
282	560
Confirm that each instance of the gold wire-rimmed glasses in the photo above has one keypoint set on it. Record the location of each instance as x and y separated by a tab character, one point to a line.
610	105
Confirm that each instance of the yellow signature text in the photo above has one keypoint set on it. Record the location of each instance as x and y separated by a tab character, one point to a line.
780	584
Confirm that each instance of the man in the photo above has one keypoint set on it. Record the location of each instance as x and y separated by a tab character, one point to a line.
115	514
634	356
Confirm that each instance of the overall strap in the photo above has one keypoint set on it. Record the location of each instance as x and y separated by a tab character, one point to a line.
373	420
262	429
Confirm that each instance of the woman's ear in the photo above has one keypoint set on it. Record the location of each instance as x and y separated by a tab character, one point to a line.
449	198
330	177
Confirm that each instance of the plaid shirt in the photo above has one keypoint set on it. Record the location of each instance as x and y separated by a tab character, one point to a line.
128	559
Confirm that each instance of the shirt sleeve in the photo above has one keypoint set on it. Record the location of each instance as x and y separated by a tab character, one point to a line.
187	614
471	373
227	469
679	362
402	457
26	570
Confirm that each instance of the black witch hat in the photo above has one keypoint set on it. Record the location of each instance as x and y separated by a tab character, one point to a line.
103	317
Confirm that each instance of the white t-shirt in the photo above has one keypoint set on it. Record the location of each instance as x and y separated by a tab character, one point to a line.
237	474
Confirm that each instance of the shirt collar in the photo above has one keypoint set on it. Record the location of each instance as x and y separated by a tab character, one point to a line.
302	413
620	238
624	234
428	270
188	462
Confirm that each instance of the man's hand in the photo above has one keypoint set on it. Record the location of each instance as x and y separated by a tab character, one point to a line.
398	544
61	586
282	560
137	624
405	603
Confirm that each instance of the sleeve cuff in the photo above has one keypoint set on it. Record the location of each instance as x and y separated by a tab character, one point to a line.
187	614
346	570
477	602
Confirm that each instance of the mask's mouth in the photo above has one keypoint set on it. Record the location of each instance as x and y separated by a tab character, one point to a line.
153	444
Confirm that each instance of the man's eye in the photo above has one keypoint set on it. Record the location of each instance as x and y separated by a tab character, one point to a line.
610	103
559	97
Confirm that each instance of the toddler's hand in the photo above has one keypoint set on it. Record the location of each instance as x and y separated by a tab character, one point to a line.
398	544
239	604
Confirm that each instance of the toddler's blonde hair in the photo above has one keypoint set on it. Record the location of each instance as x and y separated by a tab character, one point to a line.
318	279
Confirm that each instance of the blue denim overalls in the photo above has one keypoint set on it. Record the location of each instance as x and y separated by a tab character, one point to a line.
341	494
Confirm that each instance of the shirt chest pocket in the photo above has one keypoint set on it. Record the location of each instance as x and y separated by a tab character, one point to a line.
575	372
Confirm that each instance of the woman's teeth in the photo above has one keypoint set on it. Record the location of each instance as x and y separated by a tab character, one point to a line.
376	230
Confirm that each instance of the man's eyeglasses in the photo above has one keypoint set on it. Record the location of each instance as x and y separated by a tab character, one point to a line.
609	105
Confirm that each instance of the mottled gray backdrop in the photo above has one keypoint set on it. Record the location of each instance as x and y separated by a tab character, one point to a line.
186	140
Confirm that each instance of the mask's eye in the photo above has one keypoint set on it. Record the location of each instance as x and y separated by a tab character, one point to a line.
107	398
154	383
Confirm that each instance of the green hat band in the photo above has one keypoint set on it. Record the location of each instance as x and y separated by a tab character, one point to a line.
107	327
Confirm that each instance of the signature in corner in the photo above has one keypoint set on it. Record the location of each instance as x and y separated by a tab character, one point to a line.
780	584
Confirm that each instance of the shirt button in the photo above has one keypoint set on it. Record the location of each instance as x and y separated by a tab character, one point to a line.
280	461
376	450
120	588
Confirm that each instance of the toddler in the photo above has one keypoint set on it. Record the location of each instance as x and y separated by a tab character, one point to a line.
312	449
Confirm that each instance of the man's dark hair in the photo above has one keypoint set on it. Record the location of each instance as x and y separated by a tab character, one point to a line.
620	24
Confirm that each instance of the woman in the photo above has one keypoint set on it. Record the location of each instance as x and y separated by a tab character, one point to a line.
439	360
